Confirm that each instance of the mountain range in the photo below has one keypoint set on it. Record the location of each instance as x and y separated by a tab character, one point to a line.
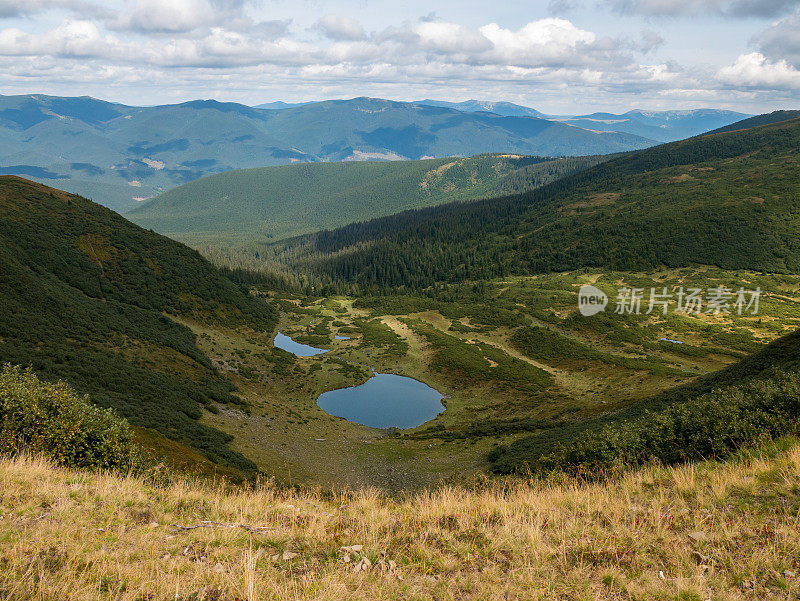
661	126
120	155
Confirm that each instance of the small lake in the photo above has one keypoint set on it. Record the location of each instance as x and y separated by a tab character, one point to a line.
282	341
384	401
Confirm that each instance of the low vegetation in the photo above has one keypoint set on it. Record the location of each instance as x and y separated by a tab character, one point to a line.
714	425
701	531
50	419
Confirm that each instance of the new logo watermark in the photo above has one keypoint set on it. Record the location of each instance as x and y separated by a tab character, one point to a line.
690	301
591	300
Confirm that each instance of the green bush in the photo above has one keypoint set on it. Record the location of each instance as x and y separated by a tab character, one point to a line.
714	425
50	419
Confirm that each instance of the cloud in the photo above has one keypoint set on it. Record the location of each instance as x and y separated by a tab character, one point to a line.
29	8
781	40
196	43
728	8
337	27
561	7
183	17
754	70
71	39
450	38
173	16
649	41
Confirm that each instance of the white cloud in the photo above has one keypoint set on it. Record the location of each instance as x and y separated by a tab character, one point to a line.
73	38
755	70
338	27
450	38
188	44
171	16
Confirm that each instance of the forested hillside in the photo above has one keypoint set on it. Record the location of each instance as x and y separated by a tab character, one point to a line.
728	200
89	298
278	202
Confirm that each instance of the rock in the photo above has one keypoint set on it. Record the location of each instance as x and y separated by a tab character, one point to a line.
219	568
347	558
661	575
353	549
699	558
789	573
287	555
154	524
362	566
698	537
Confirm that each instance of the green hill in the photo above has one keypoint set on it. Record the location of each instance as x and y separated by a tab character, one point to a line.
94	300
279	202
765	119
728	200
711	416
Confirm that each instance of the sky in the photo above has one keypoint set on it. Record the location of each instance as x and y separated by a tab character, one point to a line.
558	56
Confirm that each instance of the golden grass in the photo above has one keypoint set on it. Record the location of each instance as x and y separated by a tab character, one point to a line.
710	531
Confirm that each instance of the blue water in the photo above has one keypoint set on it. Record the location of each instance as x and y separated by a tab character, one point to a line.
384	401
337	337
301	350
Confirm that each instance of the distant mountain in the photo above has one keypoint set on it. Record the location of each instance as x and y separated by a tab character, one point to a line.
727	200
504	109
279	105
664	126
94	300
279	202
120	155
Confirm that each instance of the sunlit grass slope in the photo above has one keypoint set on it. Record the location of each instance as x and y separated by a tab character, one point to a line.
705	531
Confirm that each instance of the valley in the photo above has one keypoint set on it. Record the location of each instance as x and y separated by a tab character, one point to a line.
273	329
512	357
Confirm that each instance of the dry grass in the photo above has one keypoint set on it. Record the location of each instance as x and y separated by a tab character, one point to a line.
710	531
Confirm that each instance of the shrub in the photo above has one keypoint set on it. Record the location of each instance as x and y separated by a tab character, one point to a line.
711	426
51	419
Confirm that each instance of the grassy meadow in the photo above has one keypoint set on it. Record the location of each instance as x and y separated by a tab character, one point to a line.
701	531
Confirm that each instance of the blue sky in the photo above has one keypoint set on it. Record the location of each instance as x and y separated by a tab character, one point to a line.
560	56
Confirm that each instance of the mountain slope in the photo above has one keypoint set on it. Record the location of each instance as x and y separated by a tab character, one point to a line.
766	119
713	530
93	299
119	154
727	200
776	367
278	202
